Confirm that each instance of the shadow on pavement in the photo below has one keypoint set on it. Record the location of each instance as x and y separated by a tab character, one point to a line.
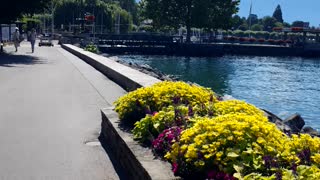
115	162
11	60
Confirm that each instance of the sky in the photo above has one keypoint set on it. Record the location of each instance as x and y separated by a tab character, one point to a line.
292	10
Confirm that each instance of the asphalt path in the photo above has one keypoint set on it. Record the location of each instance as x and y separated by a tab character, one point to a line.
50	116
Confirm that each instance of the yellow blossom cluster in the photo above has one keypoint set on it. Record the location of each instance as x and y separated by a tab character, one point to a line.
302	172
234	107
232	136
227	140
133	105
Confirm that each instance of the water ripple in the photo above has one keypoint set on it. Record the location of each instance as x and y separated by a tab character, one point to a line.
283	85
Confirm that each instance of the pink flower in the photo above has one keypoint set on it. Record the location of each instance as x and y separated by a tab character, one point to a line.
175	168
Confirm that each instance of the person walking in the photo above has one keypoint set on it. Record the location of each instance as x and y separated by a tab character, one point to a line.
16	38
33	36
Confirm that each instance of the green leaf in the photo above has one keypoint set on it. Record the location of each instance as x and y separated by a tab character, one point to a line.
232	154
156	125
238	168
238	176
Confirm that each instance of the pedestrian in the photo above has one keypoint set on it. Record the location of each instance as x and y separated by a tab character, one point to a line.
33	36
16	38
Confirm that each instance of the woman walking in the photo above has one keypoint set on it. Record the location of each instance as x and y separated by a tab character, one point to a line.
33	37
16	39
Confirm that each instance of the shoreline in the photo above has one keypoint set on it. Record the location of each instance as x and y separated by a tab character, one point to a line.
293	124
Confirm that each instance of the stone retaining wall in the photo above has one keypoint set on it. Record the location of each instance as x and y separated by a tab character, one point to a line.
136	161
128	78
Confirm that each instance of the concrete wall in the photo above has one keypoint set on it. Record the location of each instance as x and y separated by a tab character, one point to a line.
128	78
137	162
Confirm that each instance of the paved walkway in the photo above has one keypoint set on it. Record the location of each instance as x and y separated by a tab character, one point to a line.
49	108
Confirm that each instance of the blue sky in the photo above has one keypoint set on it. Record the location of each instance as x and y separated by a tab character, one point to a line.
305	10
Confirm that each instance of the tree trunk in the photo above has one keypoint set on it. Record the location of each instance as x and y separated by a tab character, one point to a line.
188	21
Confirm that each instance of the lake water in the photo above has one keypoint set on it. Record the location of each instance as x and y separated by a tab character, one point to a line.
282	85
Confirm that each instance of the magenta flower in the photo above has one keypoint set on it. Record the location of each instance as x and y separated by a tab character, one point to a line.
175	168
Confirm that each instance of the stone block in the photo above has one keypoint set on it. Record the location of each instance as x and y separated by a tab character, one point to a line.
295	122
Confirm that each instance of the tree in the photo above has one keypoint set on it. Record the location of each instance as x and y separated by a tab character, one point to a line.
257	27
278	14
131	7
278	24
244	26
268	23
236	21
252	19
287	25
13	9
209	15
106	14
298	24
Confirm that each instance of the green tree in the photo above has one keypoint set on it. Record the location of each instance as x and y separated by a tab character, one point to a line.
277	14
287	25
131	7
298	24
268	23
244	27
12	9
236	21
106	14
252	19
257	27
209	15
278	24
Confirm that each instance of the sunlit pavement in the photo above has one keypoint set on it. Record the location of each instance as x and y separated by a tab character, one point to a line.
49	109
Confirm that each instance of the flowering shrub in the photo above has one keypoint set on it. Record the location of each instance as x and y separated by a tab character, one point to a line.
232	38
271	41
135	105
288	41
261	40
235	107
91	48
299	172
163	143
306	149
180	115
252	39
205	138
151	126
226	142
242	39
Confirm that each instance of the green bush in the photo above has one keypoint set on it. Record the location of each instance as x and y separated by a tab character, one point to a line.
91	48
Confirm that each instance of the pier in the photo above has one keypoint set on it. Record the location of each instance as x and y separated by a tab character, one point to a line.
150	44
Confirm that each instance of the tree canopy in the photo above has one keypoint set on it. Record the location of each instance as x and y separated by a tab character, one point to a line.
278	14
298	24
205	14
12	9
106	14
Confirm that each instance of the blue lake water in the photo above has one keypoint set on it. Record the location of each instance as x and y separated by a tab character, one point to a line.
282	85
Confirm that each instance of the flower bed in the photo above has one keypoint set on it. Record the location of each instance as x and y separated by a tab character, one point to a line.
204	138
261	40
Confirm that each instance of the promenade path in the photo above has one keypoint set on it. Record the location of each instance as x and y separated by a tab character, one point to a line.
50	106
